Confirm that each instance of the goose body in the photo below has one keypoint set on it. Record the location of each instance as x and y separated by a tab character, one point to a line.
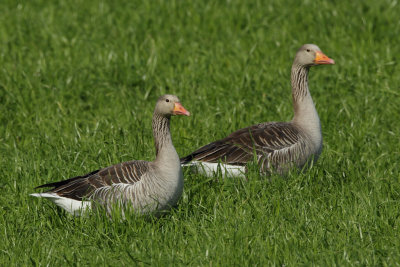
146	187
275	146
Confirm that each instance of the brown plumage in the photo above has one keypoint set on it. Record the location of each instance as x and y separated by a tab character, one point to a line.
145	186
82	187
275	146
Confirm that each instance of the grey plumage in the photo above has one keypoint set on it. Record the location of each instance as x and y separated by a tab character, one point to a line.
146	187
277	146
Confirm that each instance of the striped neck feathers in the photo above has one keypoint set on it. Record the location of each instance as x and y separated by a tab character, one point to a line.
299	81
303	104
161	132
305	114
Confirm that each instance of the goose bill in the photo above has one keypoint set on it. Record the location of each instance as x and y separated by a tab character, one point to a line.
321	58
180	110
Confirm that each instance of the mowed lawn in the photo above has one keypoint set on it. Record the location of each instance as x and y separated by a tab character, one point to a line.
78	84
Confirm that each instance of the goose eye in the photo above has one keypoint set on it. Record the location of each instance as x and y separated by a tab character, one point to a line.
166	100
308	50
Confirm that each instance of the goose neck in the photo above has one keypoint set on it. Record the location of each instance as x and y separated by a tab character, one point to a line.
162	137
299	81
305	114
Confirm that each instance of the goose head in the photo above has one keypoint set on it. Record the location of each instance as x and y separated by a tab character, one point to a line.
168	105
310	55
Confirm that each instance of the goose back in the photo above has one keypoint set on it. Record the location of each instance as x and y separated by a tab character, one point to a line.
276	146
143	186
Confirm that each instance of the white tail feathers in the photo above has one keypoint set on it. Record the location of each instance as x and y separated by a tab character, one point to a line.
211	169
72	206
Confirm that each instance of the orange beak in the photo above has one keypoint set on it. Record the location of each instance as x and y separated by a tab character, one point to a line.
180	110
321	58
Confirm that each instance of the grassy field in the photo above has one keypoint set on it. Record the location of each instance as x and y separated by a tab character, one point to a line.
78	84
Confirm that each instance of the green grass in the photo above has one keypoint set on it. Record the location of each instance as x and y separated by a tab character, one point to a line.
78	84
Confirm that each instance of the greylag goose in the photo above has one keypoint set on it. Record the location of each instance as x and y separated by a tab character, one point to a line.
147	187
276	146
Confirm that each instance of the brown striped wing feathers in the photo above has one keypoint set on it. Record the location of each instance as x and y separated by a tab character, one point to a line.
239	147
81	187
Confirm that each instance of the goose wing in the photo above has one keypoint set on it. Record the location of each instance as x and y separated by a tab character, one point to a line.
83	186
238	148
